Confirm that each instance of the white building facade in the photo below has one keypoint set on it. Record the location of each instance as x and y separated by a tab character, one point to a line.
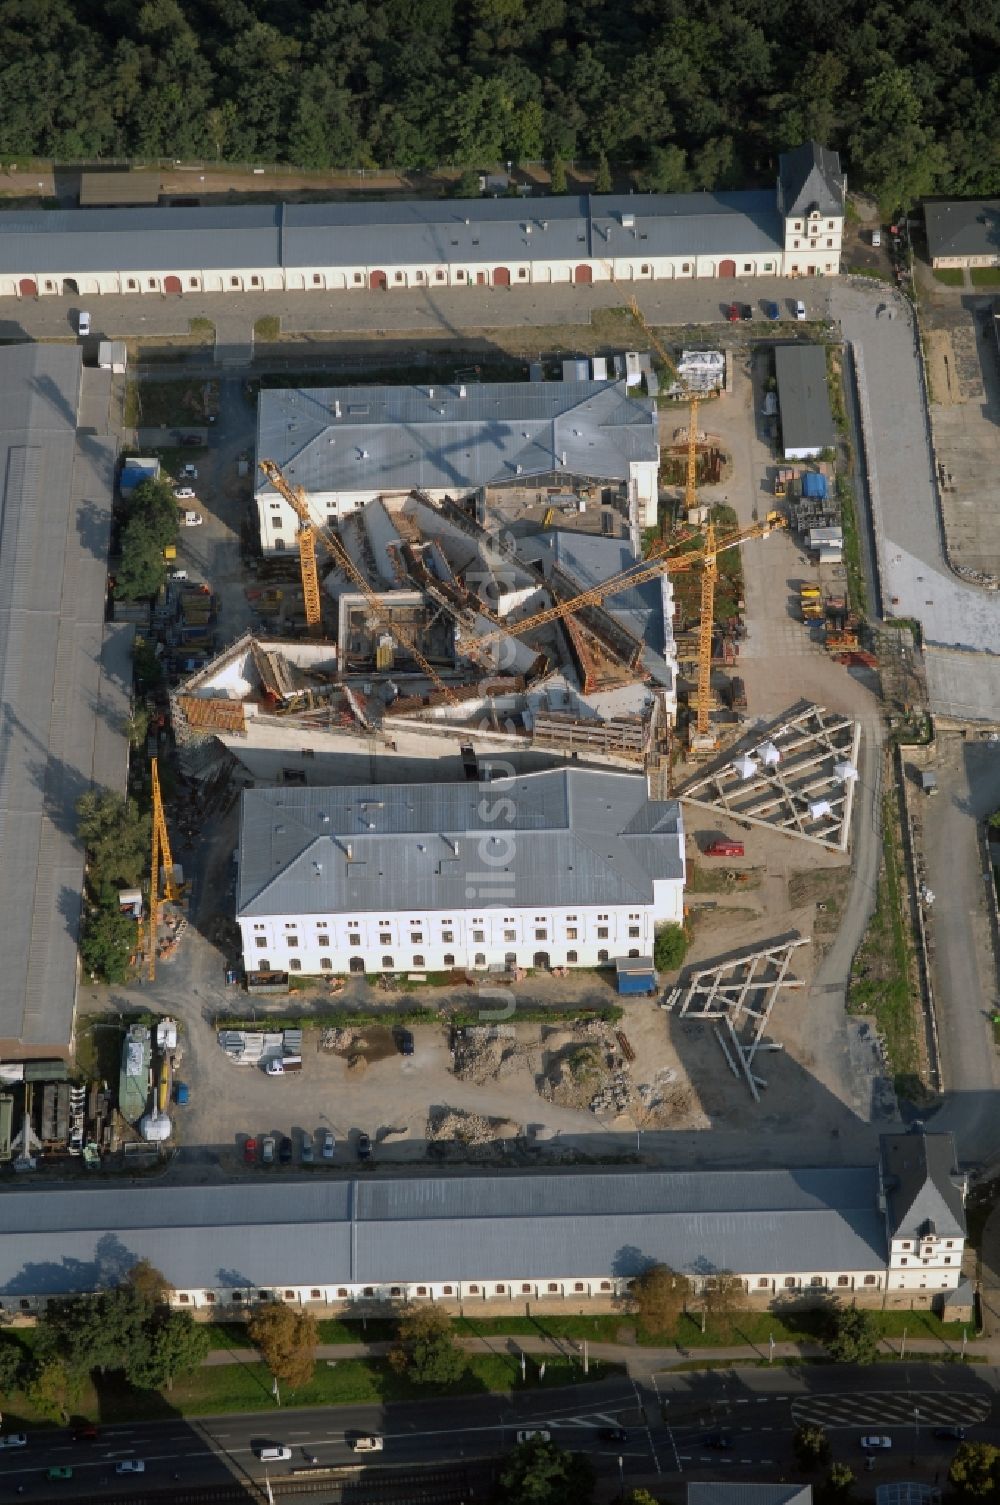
924	1197
793	230
554	869
572	1240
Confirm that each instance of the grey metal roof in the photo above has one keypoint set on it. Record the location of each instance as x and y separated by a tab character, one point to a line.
568	836
55	520
920	1190
963	227
803	399
739	1493
397	232
809	177
426	1228
398	438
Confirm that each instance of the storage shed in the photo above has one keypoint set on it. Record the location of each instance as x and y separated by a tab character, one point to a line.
806	421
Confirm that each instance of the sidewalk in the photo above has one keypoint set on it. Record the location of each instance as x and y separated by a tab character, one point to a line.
639	1362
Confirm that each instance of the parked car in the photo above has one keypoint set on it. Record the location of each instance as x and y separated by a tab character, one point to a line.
184	493
130	1466
364	1147
267	1150
771	309
531	1434
368	1442
192	520
733	314
874	1441
404	1042
614	1434
189	471
250	1152
61	1471
272	1452
876	238
308	1151
14	1440
192	441
285	1150
800	310
950	1434
721	1441
177	576
83	322
746	312
329	1145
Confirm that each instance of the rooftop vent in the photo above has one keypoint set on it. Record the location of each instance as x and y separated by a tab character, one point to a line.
628	221
462	392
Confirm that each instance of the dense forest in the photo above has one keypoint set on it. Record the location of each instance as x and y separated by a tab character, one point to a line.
690	93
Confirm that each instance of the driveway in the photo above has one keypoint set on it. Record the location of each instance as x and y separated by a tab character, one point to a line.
916	579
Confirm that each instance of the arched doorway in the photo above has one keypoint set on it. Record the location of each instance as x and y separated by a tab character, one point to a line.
541	960
378	282
583	273
28	288
727	269
171	284
501	277
357	964
69	287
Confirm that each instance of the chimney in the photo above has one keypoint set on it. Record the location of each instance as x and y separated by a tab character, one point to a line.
336	408
349	849
430	391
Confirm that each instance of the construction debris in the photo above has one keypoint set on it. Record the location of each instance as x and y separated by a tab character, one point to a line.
485	1053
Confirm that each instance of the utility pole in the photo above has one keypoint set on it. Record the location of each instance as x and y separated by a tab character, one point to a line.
586	1357
770	1348
902	1345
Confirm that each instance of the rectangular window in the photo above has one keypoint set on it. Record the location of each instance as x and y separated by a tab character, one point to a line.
541	935
322	940
602	932
829	244
748	266
358	278
261	941
479	935
291	940
571	934
326	965
416	938
634	932
448	936
355	940
384	938
294	965
510	935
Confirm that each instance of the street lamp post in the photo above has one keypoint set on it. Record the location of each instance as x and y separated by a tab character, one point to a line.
916	1432
621	1475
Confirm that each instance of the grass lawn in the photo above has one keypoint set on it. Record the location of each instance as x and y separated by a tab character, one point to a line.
881	977
267	328
247	1387
985	276
951	276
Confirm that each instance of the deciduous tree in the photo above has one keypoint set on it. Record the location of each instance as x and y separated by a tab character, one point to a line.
854	1336
287	1342
426	1350
811	1446
659	1295
975	1469
176	1345
539	1473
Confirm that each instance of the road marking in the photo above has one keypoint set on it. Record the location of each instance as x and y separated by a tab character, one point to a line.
746	1460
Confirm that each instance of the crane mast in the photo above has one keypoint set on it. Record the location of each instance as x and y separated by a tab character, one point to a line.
161	856
296	499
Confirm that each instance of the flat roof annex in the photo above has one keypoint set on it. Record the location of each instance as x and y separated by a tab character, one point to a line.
803	399
452	438
569	836
63	683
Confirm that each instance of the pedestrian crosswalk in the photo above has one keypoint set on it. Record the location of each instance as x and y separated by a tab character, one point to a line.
882	1408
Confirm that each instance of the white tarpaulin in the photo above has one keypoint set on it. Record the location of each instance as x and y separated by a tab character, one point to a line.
746	767
770	755
820	808
845	772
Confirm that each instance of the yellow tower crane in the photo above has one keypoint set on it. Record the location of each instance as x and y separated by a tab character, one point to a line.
161	856
309	532
706	622
638	573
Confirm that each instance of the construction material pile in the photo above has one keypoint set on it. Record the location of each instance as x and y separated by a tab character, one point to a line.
468	1131
485	1053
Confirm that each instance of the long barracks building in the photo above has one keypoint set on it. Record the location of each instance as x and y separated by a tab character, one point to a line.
794	230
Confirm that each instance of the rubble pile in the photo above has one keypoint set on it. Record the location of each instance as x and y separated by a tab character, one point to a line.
468	1129
484	1053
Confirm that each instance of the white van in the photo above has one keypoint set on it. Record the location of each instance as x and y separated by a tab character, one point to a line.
83	323
876	238
371	1443
273	1452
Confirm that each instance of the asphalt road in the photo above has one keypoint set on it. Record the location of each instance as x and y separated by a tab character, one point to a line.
755	1412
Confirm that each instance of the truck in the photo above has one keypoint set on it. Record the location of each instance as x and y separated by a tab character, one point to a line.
722	848
281	1066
